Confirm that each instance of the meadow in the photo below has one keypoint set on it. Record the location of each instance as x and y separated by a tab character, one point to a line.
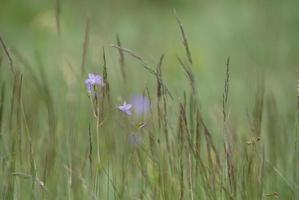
148	99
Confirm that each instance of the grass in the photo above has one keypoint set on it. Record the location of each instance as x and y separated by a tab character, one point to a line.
57	141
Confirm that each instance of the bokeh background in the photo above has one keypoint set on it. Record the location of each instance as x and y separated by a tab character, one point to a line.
260	37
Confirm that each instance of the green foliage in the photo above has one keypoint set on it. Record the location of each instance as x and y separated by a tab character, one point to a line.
218	128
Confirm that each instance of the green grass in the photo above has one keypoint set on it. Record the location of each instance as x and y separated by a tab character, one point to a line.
222	83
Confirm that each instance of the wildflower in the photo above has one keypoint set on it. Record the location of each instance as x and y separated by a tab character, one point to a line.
140	104
126	108
93	80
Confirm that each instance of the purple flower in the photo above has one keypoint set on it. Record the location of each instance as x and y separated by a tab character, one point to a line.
93	80
140	104
125	108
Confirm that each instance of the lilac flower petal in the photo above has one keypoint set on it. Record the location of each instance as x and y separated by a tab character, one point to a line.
97	80
140	104
128	106
90	76
128	112
125	108
88	85
93	79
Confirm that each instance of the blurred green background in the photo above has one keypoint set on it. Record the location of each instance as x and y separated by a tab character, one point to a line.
260	37
257	35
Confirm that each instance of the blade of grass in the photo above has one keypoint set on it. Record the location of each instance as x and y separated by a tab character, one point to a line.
184	37
121	61
85	46
57	16
6	50
150	70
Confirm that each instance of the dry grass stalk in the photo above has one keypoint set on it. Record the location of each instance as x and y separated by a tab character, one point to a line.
145	66
85	46
7	52
121	61
185	41
57	16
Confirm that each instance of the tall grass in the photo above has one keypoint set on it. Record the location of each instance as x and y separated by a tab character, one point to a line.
52	147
